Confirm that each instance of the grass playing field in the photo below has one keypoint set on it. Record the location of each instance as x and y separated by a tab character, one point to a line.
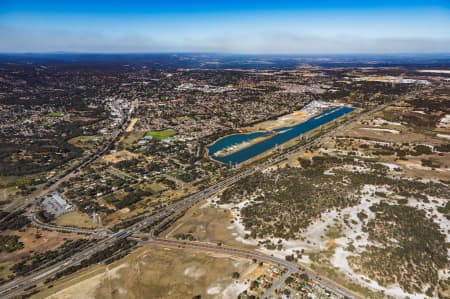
161	135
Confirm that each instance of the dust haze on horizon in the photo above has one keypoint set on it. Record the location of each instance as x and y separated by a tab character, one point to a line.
248	27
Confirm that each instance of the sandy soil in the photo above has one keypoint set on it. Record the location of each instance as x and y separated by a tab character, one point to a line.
158	272
382	130
445	136
119	156
131	125
294	118
209	224
283	121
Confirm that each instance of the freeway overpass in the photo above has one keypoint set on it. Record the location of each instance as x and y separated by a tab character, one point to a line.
16	286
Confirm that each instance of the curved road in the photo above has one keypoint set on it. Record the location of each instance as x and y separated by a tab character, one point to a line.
68	229
14	287
291	267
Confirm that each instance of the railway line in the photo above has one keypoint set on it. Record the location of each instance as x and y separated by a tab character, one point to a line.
15	286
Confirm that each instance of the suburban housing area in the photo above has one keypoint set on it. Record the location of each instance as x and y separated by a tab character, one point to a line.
196	176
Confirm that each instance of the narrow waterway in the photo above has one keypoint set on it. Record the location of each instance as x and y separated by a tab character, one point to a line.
282	135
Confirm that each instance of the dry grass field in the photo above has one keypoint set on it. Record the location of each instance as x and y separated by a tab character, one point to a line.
75	219
86	142
119	156
131	137
154	271
207	224
36	240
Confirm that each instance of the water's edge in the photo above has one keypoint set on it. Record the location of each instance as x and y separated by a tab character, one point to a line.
283	135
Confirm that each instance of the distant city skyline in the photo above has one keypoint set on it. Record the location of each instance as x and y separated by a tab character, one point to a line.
247	27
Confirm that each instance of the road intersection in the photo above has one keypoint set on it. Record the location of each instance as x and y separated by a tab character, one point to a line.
172	211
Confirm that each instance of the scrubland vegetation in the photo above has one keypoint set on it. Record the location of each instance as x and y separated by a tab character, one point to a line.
408	249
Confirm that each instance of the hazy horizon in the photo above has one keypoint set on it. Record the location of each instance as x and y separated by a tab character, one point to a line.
319	54
232	27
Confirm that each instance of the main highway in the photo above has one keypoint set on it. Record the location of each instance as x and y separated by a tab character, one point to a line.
17	285
73	170
67	229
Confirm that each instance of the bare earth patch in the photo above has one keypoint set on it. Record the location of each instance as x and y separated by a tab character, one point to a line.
154	271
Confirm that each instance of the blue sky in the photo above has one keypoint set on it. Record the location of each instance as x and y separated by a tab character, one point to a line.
290	27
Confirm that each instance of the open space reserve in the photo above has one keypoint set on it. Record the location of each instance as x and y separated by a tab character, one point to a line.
181	181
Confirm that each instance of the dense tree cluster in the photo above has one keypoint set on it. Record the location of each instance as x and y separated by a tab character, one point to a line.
10	243
51	256
131	198
43	155
13	221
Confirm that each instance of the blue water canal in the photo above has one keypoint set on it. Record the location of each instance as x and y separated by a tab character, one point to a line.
282	135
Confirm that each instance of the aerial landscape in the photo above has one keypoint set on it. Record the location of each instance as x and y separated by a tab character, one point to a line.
240	149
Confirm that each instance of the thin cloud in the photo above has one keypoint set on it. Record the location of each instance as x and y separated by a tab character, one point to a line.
267	42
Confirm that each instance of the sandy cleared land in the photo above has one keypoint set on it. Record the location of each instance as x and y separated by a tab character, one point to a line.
154	271
208	224
119	156
294	118
75	219
406	136
283	121
383	122
435	71
445	122
382	130
444	136
85	141
131	125
412	167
